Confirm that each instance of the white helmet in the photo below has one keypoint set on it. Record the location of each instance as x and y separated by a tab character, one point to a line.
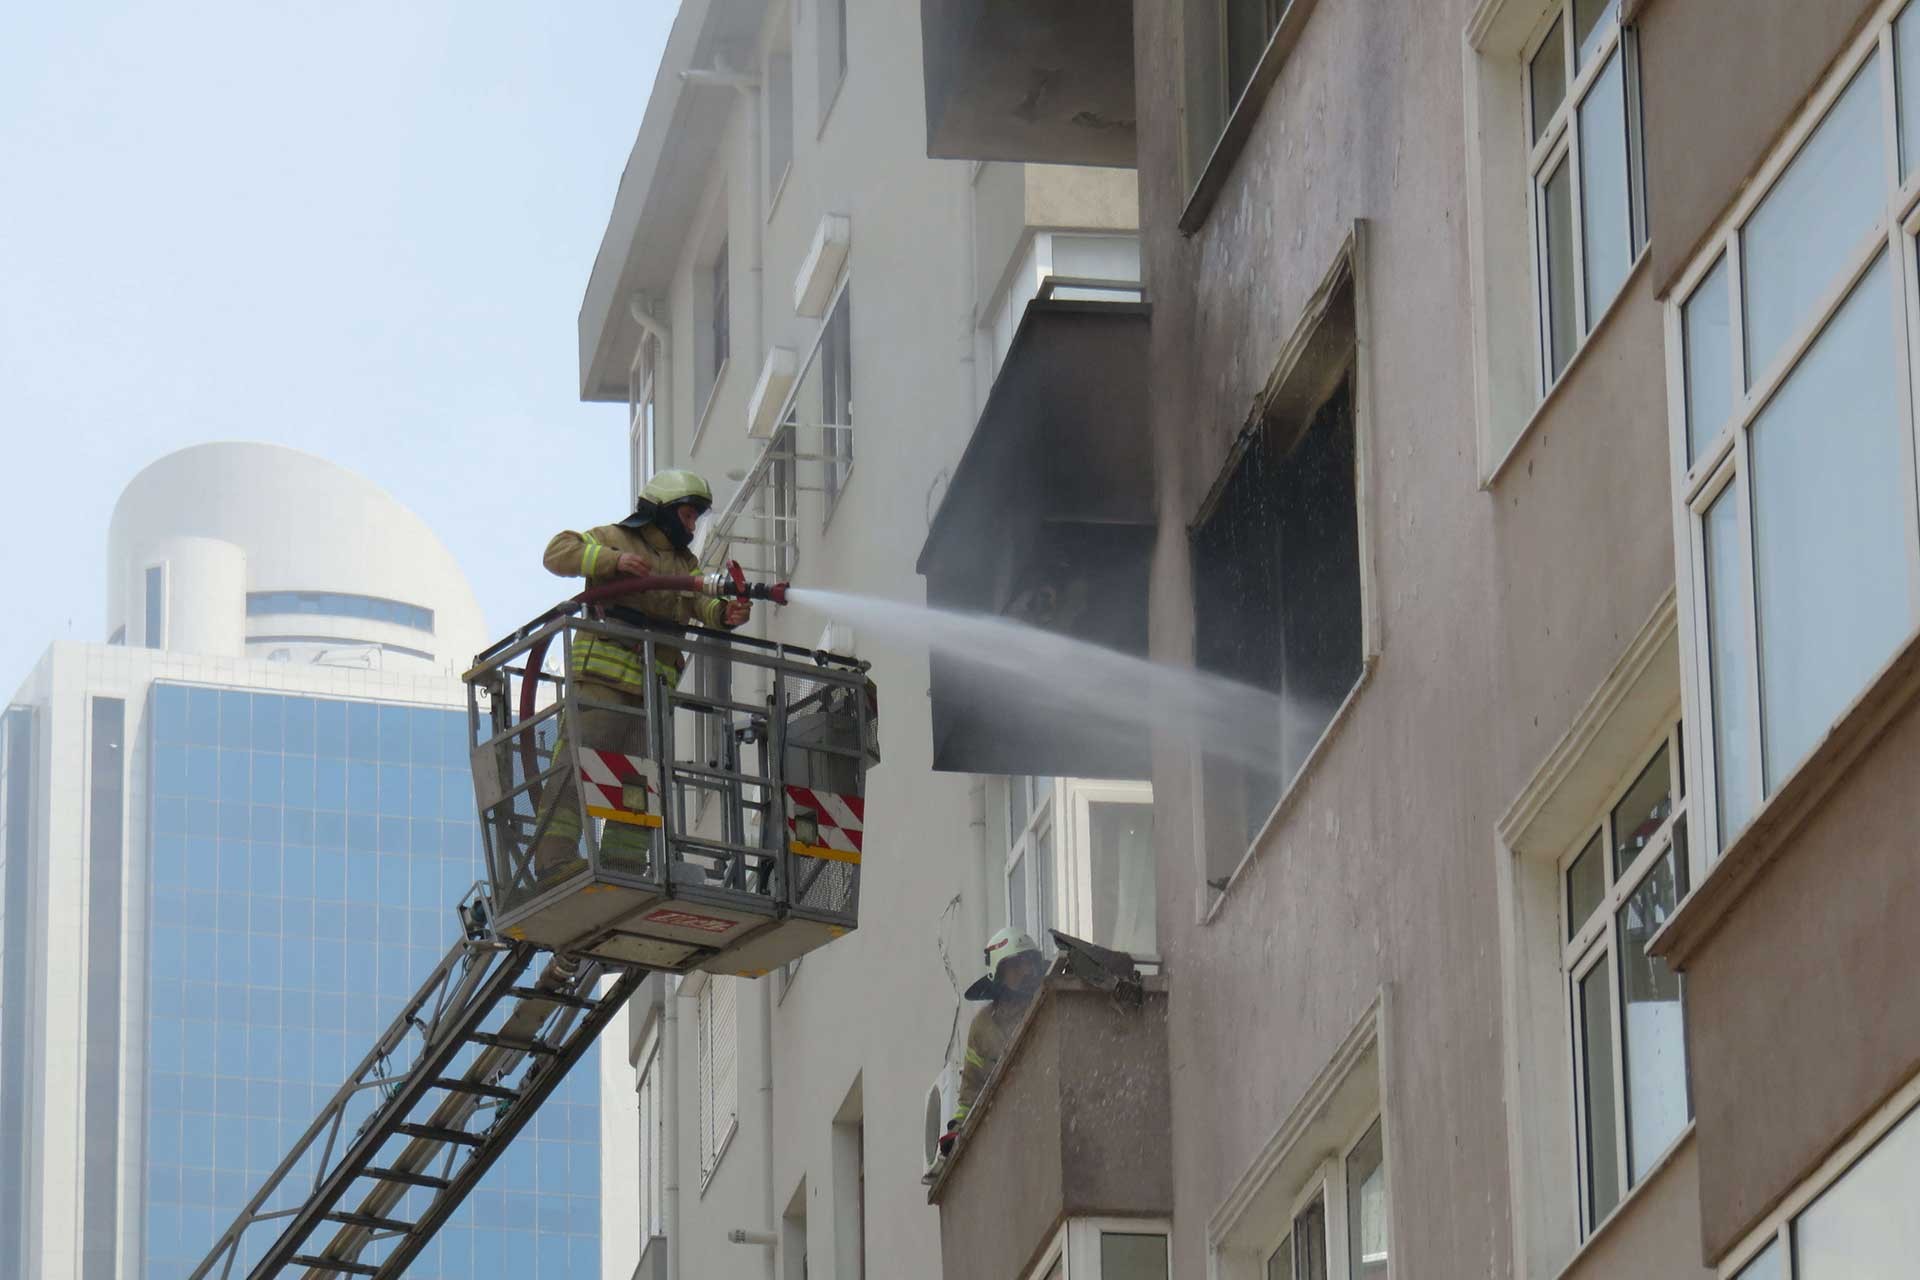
1003	946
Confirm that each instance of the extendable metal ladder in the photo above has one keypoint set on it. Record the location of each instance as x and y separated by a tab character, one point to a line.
441	1095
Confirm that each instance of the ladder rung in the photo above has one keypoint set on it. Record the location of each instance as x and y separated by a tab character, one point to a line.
441	1135
554	997
412	1179
370	1222
508	1042
474	1087
337	1265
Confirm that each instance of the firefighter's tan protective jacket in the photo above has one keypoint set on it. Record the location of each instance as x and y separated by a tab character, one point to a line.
987	1038
593	555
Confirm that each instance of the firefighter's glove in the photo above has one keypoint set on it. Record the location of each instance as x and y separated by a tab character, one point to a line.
948	1138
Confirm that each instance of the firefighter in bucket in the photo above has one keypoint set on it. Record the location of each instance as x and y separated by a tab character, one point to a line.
612	684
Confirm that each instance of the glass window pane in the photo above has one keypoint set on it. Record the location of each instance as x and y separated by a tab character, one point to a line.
1592	19
1054	1272
1605	212
1733	729
1906	52
1016	808
1830	525
1765	1264
1596	1036
1556	261
1586	885
1708	333
1280	1265
1310	1242
1548	76
1367	1208
1653	1032
1132	1257
1641	811
1120	870
1017	893
1815	215
1864	1227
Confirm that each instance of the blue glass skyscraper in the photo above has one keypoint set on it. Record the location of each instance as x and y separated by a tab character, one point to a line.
306	856
232	841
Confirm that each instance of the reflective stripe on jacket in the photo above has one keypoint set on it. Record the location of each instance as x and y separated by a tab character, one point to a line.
593	555
987	1038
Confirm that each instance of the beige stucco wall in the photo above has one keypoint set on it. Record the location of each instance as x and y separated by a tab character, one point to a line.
1499	610
1696	58
1804	995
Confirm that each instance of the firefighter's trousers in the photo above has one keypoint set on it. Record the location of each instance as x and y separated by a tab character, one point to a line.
618	724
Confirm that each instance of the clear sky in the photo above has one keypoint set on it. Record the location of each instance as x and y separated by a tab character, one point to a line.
359	227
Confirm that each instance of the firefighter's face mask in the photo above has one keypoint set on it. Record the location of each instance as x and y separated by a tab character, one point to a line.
683	522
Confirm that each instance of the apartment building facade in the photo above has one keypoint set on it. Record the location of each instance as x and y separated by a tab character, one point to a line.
1532	413
794	300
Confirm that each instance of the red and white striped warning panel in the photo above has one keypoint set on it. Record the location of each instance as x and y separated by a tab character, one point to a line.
618	787
824	823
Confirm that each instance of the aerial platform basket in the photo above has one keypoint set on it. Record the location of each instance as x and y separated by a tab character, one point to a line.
713	823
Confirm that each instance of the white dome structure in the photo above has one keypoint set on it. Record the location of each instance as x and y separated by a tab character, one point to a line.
265	552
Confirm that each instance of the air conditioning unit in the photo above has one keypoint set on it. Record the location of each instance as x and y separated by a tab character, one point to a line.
942	1097
813	285
770	392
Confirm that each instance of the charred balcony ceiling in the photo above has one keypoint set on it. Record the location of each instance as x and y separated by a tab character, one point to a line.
1040	81
1049	520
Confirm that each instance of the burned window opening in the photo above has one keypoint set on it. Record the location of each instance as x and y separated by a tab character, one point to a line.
1277	599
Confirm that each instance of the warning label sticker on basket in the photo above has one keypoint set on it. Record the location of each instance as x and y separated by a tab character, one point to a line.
688	920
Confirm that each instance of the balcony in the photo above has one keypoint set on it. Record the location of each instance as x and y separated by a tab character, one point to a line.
1049	519
1066	1150
1042	81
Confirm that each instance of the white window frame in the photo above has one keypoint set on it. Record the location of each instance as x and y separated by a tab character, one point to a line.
1076	1245
1777	1226
1724	457
1561	140
1075	871
643	438
1022	854
1058	825
1595	944
837	437
718	1067
652	1117
1328	1183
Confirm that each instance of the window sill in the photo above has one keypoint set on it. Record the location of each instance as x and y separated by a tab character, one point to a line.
1887	696
1239	126
1552	397
1633	1196
1290	796
706	410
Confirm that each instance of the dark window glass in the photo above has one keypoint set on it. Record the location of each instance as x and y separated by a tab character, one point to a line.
106	827
339	604
16	828
155	636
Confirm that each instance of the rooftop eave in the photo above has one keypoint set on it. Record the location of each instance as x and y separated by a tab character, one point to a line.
660	188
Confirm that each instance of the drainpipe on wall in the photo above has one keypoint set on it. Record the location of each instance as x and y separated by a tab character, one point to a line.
670	1125
662	372
766	1118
